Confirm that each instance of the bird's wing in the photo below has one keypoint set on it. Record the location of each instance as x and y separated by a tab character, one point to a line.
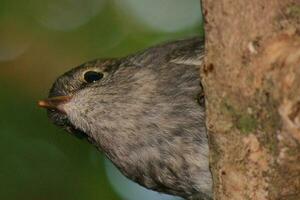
195	59
188	51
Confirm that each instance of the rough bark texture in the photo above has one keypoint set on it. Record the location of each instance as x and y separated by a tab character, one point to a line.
251	79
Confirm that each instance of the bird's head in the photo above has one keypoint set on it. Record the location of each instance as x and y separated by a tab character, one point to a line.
74	84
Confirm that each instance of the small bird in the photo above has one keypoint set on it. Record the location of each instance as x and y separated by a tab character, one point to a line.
145	112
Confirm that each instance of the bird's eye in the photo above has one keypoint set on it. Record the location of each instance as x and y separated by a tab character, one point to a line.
92	76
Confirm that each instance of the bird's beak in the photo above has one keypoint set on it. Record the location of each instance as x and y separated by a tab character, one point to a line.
55	103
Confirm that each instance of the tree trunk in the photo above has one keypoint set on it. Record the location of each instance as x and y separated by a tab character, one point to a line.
251	79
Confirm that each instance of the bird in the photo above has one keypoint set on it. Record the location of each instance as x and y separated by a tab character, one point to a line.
145	112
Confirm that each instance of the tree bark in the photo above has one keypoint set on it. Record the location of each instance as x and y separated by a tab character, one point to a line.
251	79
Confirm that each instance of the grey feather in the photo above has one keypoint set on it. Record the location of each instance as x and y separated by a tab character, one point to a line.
145	116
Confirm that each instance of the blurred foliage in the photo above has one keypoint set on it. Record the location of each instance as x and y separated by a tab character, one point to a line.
39	40
41	162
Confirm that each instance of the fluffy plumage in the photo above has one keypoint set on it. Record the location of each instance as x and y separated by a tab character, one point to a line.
146	114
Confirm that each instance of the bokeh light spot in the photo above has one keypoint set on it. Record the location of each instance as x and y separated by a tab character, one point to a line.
66	15
163	15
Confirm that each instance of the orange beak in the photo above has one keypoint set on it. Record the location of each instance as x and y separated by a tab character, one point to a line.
55	103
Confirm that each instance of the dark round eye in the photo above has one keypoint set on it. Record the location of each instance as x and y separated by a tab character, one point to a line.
92	76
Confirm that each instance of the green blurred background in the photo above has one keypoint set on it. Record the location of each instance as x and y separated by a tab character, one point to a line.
41	39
